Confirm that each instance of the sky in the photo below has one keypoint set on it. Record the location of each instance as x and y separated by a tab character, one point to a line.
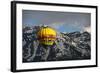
61	21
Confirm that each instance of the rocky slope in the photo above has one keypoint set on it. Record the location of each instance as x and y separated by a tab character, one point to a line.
68	46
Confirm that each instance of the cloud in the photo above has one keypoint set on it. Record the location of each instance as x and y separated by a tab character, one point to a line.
61	21
88	29
56	25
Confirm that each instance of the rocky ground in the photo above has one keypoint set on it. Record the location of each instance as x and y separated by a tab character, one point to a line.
68	46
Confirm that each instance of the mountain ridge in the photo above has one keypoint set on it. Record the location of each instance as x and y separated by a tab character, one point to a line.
68	46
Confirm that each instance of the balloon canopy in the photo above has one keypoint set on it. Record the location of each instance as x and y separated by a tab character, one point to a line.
47	35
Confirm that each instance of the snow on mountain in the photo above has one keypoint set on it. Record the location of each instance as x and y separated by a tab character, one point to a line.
68	46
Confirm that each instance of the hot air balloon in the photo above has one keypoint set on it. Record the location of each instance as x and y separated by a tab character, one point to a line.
47	35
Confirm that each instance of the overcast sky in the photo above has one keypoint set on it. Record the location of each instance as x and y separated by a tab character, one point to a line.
61	21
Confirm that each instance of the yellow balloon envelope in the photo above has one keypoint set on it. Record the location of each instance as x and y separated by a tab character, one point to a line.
47	35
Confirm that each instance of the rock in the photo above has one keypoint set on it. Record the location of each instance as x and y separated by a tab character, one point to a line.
69	46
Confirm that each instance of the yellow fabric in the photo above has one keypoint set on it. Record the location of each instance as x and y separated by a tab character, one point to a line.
47	31
47	35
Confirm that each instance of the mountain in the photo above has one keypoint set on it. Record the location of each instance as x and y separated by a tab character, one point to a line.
68	46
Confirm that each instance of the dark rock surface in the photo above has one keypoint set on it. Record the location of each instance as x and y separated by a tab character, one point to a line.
68	46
